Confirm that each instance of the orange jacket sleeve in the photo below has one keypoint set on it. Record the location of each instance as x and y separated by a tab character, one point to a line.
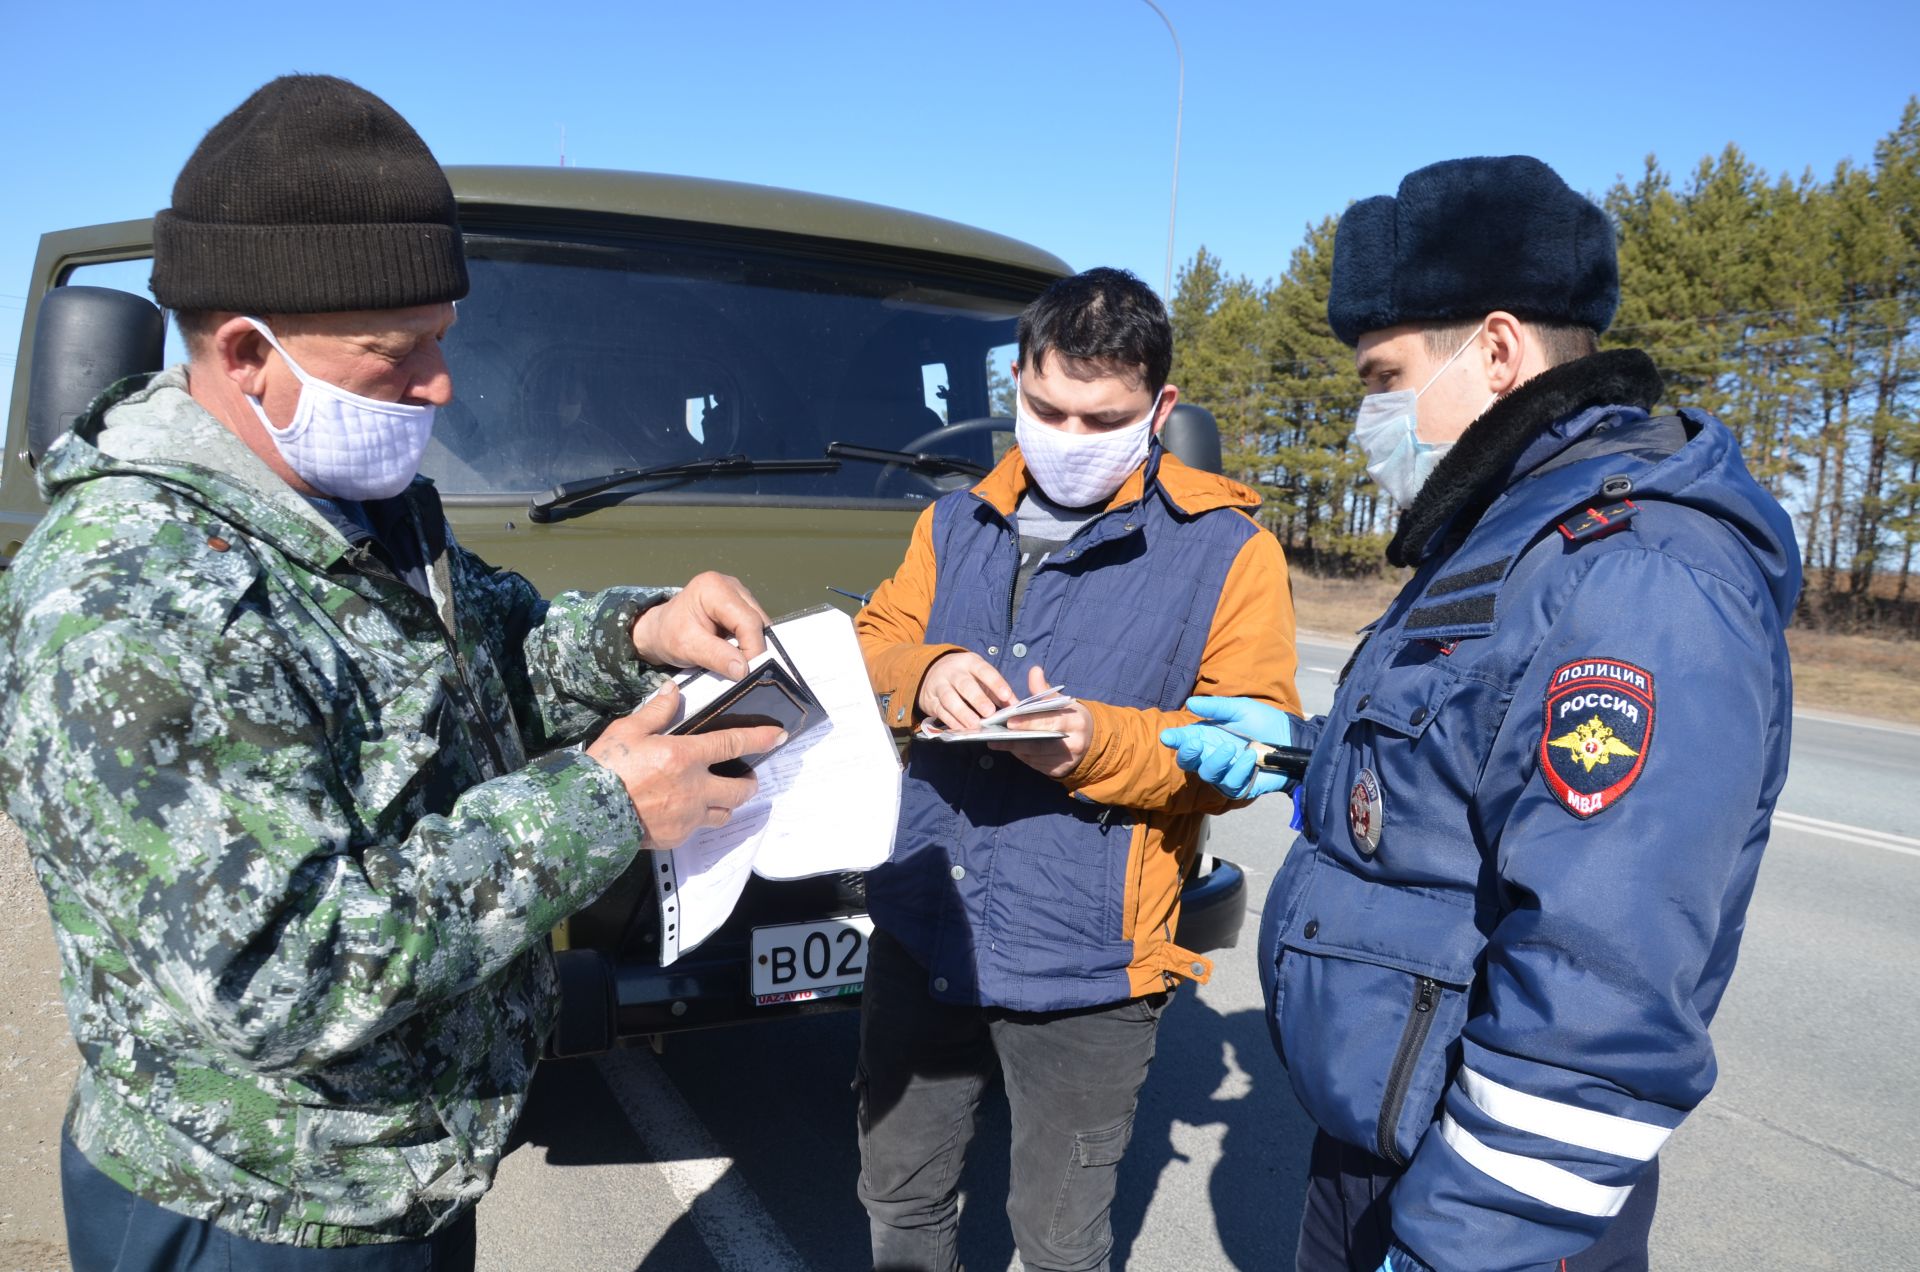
892	626
1250	653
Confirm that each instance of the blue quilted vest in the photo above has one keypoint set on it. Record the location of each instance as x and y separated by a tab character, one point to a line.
1005	886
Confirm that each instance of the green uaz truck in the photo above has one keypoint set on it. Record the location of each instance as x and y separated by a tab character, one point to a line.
655	376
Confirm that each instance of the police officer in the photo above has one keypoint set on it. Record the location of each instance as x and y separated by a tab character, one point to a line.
1533	817
267	727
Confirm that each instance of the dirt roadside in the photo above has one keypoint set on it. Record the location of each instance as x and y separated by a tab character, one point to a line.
37	1062
1856	675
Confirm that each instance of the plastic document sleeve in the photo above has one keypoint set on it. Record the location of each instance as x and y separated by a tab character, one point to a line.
829	799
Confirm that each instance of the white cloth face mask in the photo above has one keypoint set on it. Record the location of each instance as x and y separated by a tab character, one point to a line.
1387	429
343	445
1079	469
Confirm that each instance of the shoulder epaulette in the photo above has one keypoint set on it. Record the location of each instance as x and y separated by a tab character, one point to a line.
1597	521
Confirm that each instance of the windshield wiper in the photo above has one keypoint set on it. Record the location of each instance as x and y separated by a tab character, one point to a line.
917	461
542	507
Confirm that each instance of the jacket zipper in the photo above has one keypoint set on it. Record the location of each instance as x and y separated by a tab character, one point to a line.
473	722
439	572
1013	587
1426	993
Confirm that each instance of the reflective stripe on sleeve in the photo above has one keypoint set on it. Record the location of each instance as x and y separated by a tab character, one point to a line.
1541	1181
1568	1123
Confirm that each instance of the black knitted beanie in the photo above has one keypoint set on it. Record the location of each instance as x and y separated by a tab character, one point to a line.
313	196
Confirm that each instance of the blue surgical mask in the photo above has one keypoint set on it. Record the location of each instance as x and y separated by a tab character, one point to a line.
1387	429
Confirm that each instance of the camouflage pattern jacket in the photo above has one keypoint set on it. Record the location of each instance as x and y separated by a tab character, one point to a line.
300	868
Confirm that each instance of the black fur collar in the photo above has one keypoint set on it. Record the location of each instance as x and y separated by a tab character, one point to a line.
1462	483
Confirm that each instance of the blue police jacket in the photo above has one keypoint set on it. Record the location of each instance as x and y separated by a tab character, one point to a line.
1533	818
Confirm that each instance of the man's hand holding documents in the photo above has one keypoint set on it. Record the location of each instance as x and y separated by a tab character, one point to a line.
998	725
1047	730
671	782
1068	727
826	801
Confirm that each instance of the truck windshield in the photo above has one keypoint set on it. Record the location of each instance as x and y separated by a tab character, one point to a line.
574	359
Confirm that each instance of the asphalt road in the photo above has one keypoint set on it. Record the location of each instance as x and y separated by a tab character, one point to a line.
734	1150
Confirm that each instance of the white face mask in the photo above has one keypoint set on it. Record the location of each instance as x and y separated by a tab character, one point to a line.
1078	469
344	445
1387	429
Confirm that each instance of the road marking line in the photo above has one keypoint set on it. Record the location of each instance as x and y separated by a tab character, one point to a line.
1852	834
1326	671
1857	722
738	1231
1717	1107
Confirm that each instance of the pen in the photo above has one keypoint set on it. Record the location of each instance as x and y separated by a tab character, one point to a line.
862	597
1292	760
773	642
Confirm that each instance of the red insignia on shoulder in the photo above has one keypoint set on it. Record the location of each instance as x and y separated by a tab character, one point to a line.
1599	728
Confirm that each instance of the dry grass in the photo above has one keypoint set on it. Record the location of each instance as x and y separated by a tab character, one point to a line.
1341	607
1860	675
1885	585
1863	675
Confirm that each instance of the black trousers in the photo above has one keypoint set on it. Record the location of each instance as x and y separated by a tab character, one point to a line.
1345	1226
1072	1080
112	1230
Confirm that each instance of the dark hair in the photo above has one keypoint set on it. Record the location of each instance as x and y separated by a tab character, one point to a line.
1559	341
196	327
1103	316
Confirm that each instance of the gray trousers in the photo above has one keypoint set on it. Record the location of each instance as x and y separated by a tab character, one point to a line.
1072	1079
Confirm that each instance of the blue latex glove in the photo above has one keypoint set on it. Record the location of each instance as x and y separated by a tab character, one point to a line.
1223	758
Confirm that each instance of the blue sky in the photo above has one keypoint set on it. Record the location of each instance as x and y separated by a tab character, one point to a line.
1050	120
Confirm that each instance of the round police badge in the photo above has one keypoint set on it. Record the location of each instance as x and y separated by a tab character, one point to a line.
1598	731
1364	812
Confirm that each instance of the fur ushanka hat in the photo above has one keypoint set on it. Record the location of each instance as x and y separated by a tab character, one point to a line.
1465	237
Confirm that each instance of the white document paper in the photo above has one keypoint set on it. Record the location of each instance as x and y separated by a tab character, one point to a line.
999	733
828	801
994	728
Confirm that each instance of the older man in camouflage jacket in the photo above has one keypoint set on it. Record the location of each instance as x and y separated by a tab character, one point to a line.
266	728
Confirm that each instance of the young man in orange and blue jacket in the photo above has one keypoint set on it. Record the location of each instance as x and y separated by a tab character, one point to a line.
1026	919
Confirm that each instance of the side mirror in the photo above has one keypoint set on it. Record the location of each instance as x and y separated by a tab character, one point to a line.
86	339
1191	434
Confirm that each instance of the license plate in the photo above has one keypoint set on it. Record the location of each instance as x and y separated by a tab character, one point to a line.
799	962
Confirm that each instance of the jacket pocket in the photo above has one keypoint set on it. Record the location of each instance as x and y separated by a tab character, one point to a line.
1404	700
1371	988
1383	788
387	767
1277	918
402	756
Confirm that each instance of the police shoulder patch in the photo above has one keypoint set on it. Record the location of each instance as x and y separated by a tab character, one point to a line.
1598	730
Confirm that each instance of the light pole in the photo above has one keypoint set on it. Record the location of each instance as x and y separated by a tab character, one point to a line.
1179	106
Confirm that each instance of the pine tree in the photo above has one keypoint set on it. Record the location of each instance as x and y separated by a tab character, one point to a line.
1218	358
1336	520
1787	306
